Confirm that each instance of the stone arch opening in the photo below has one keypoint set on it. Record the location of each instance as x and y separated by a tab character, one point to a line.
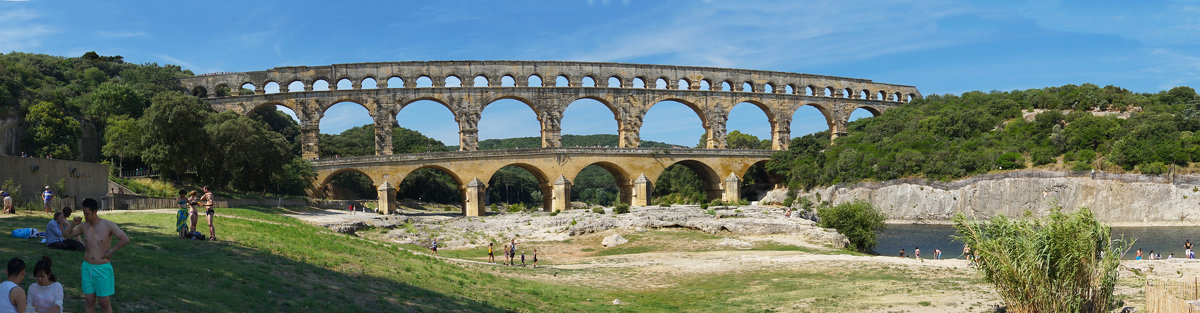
864	94
247	89
320	85
395	82
508	81
584	116
686	182
271	87
810	119
614	82
768	88
788	89
562	81
223	90
747	87
519	183
705	85
588	81
829	92
863	112
639	83
660	83
535	81
847	93
809	91
752	123
345	84
340	125
296	86
369	83
280	119
424	82
897	97
480	81
601	183
508	117
453	81
726	86
684	84
428	117
200	91
880	95
673	121
431	183
348	184
757	181
909	97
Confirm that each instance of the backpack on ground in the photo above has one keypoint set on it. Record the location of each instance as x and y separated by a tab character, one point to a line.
194	235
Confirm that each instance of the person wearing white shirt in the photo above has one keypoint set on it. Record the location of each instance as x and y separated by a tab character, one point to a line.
11	288
45	296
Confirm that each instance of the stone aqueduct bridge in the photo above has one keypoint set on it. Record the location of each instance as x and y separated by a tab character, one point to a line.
635	170
628	90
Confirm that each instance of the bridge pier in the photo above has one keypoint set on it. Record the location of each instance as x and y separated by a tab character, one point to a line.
473	199
732	188
309	132
641	191
561	196
387	198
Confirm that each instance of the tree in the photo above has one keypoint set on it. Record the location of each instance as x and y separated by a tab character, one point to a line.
110	99
50	131
245	151
859	221
122	138
174	140
739	140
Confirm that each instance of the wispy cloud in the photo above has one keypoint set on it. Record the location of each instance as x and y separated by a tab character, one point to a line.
122	34
19	31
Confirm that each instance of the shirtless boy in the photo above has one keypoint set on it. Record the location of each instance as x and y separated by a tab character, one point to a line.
96	272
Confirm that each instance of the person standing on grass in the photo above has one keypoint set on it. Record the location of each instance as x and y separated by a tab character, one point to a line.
534	258
434	247
96	271
522	259
207	200
195	215
46	197
491	257
12	287
8	203
46	295
181	217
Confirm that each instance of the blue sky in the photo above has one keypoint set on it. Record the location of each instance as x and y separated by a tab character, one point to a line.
938	46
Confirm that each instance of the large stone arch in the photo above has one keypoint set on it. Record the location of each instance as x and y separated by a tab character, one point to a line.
710	178
325	178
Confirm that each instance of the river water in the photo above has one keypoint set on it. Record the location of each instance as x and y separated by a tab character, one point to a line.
1162	240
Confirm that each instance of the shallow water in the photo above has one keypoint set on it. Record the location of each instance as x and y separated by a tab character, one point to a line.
1161	240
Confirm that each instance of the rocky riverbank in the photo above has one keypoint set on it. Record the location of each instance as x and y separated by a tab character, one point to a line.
1119	199
454	231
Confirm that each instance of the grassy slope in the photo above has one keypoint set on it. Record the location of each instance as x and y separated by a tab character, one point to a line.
274	263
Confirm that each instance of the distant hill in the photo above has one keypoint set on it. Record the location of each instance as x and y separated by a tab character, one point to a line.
568	141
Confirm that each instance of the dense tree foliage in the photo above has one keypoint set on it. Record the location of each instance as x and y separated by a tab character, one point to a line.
947	136
145	119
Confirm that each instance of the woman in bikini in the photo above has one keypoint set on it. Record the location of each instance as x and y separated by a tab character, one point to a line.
207	201
191	199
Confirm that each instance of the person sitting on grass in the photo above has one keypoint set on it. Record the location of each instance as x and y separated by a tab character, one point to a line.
181	217
54	234
12	287
45	296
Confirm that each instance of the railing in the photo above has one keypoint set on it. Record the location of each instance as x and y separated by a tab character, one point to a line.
139	173
1173	296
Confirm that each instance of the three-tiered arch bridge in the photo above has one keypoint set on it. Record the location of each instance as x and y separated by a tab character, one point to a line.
548	87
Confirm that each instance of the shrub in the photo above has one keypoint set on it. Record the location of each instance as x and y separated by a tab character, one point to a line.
621	208
1042	155
573	222
704	206
598	210
1063	263
555	213
1156	168
791	198
711	212
1011	160
1080	165
519	207
858	221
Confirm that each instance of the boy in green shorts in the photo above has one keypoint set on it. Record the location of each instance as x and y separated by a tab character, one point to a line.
96	271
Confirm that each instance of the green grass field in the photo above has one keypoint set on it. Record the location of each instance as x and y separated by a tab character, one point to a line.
274	263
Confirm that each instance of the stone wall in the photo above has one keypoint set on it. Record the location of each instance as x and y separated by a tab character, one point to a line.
1115	198
10	136
81	179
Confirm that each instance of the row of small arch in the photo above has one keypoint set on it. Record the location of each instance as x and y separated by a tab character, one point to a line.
564	81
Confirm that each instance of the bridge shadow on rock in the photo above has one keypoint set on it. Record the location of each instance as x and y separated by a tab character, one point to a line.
250	270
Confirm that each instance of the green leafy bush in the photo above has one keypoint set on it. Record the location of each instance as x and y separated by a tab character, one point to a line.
1155	168
859	221
1011	160
598	210
1080	165
621	209
1062	263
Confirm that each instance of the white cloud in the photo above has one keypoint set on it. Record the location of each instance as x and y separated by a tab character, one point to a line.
19	31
